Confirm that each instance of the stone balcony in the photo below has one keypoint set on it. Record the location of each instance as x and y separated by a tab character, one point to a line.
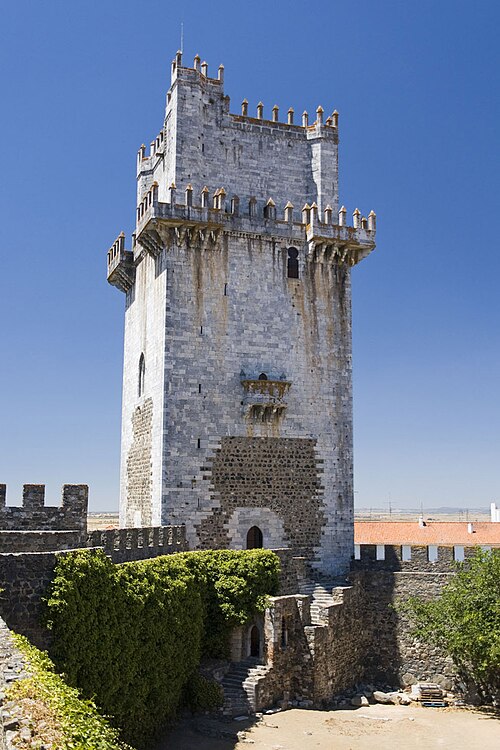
121	270
265	400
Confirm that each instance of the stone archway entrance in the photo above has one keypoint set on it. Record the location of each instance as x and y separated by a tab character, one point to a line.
255	641
254	538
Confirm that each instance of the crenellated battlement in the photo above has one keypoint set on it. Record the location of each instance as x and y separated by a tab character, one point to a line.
35	515
256	152
412	557
199	223
123	545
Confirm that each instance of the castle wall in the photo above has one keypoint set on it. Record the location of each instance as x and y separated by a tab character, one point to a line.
25	575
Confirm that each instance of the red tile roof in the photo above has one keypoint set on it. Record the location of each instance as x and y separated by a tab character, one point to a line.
434	532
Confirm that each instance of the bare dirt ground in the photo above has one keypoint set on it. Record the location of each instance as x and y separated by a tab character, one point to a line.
377	727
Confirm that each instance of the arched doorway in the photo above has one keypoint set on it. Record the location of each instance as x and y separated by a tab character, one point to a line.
254	538
255	641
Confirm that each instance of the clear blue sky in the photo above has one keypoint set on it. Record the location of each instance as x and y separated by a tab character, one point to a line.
416	84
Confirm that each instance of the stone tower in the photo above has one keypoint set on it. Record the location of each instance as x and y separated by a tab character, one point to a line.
237	399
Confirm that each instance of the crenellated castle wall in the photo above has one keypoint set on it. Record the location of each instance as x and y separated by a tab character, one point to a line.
33	514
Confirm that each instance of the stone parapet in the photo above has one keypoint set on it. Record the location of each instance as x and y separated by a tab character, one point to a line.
39	541
126	545
432	558
34	515
165	224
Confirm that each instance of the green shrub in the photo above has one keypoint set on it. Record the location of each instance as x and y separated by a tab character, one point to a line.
202	694
132	635
58	714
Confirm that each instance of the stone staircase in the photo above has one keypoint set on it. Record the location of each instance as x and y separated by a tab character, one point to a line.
239	687
320	589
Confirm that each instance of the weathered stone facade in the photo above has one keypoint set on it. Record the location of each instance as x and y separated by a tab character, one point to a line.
139	467
238	329
270	482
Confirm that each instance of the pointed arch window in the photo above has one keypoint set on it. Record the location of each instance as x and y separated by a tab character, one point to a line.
255	538
292	267
142	375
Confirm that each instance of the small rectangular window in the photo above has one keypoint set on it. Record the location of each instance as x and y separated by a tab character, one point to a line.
458	553
199	387
380	551
357	552
432	553
406	553
199	443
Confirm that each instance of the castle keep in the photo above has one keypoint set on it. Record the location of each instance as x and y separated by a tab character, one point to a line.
237	404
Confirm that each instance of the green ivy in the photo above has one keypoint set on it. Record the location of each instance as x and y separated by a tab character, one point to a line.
76	722
132	636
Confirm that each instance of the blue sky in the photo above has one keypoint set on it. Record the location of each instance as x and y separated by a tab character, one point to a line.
416	84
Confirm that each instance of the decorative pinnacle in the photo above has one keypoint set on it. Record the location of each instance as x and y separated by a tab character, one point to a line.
289	205
290	116
270	202
205	190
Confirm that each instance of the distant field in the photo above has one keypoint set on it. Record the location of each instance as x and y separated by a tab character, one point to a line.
365	514
102	521
107	520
